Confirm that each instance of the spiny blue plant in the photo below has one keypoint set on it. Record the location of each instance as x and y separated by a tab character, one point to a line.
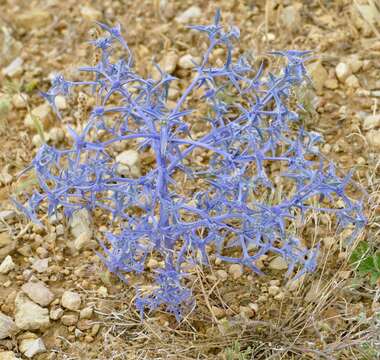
232	210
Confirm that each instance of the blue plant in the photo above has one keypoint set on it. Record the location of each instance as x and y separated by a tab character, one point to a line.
231	211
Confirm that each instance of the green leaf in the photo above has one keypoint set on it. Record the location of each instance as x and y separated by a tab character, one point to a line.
359	252
367	265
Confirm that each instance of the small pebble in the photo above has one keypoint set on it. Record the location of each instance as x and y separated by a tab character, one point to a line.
236	270
343	71
71	300
31	347
191	14
187	61
7	265
371	122
56	313
352	81
278	263
221	275
41	265
14	69
86	313
273	290
69	319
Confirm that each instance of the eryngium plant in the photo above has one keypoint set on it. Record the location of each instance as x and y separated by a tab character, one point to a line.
240	206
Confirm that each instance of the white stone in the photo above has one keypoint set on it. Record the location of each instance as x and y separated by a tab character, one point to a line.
221	275
273	290
56	135
355	64
352	81
128	163
60	230
90	13
7	265
6	215
19	100
128	157
278	263
192	13
37	141
7	326
187	61
31	347
343	71
371	122
56	313
86	313
60	102
102	291
14	68
71	300
42	112
41	265
169	62
80	223
84	241
254	307
28	315
291	16
373	139
38	292
8	355
33	18
69	319
236	270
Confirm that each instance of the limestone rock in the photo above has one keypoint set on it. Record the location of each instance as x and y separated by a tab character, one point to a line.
191	14
7	245
6	215
34	18
291	16
56	313
129	163
352	81
28	315
7	326
90	14
69	319
187	61
373	138
278	263
7	265
8	355
343	71
318	74
236	270
31	347
86	313
71	300
38	292
41	265
371	122
169	62
80	223
42	112
14	69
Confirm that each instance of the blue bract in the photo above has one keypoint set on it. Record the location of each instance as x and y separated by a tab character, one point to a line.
259	178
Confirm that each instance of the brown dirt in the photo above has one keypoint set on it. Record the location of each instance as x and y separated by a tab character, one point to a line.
328	315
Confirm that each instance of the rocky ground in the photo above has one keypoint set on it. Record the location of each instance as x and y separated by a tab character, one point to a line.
57	301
